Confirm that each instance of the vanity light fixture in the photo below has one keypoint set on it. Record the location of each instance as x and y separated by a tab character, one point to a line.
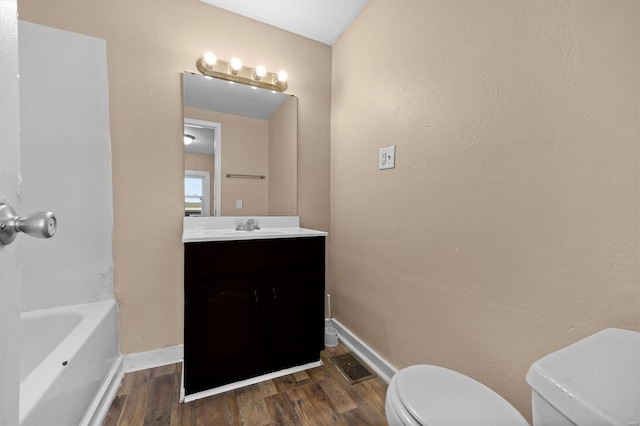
236	65
234	71
282	77
210	59
188	139
261	71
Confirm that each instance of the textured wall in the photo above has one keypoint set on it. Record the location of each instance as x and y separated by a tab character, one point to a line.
149	44
509	227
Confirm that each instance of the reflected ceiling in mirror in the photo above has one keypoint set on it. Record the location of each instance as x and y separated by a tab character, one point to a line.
232	98
254	132
203	140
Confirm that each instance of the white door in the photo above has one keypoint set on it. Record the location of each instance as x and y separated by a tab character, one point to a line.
9	191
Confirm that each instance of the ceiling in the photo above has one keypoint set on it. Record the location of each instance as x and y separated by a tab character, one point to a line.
320	20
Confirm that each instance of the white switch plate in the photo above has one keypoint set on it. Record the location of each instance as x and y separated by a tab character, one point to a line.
238	204
387	158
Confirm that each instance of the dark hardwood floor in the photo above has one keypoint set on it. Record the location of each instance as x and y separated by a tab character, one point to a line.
319	396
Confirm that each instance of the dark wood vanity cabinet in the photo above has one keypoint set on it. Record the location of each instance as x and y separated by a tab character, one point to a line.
251	307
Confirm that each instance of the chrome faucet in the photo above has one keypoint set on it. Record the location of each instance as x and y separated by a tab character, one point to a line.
248	225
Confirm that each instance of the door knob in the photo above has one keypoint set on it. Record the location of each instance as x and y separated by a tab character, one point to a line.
39	225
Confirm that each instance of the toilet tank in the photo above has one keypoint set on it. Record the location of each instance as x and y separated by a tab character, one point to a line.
595	381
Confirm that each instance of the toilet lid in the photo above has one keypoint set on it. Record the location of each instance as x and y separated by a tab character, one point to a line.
438	396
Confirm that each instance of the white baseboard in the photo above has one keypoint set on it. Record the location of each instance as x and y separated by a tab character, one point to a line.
99	408
381	366
174	354
154	358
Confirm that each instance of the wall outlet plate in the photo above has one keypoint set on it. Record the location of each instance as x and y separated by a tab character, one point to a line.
387	158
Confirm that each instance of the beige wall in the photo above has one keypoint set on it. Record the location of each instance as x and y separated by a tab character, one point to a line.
283	170
202	163
149	44
509	227
245	150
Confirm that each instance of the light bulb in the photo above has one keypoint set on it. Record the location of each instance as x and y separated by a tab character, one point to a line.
236	64
261	71
282	76
210	59
188	139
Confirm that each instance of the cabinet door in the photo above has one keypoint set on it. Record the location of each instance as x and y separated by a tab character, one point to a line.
224	332
295	314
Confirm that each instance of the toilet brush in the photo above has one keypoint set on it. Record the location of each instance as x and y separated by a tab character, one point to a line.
329	306
330	333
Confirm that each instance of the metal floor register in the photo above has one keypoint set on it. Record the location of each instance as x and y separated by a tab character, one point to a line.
351	368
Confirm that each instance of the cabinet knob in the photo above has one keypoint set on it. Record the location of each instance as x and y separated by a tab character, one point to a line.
255	294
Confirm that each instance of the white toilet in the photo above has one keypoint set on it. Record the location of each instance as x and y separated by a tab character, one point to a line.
430	395
595	381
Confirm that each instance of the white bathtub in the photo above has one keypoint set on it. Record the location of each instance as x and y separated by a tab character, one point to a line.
67	356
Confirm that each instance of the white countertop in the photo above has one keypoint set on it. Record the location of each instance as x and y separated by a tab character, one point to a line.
201	229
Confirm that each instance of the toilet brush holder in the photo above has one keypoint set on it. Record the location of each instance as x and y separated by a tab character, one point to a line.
330	337
330	333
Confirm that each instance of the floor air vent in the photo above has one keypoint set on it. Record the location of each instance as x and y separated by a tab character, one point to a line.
351	368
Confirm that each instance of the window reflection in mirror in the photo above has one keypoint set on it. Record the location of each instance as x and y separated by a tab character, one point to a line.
196	193
199	163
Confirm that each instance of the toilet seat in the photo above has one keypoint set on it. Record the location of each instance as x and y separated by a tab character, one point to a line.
394	408
431	395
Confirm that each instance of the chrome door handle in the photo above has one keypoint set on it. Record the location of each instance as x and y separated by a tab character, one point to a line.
39	225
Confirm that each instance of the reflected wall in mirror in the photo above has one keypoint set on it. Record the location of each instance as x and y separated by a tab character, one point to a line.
240	149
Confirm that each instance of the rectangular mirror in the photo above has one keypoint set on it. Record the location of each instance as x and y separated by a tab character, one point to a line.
240	147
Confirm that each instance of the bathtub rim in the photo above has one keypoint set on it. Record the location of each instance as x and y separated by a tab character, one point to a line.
31	390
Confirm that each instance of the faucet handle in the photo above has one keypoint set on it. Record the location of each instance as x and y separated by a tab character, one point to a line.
239	224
